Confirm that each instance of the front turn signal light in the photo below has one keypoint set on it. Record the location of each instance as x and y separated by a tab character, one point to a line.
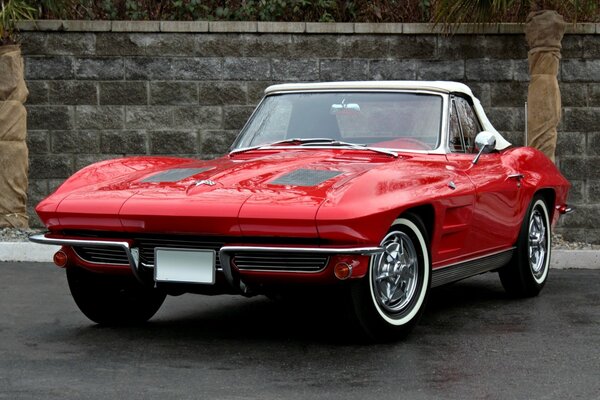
60	259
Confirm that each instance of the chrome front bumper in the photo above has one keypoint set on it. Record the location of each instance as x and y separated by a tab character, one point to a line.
225	252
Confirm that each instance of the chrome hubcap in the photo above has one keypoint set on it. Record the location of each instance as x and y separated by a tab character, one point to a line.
538	243
394	272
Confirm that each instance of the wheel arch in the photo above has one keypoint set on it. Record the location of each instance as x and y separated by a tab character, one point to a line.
549	196
427	214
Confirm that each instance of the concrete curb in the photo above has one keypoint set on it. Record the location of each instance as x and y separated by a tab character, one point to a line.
25	251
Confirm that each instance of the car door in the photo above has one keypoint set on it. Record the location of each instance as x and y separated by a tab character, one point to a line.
496	180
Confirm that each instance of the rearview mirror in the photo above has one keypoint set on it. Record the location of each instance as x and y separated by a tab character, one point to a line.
349	108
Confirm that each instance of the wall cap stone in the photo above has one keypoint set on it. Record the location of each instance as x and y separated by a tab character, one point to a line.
287	27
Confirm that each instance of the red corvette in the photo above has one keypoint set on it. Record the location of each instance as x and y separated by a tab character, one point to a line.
381	190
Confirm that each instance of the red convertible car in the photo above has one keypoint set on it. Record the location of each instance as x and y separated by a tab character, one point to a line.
378	191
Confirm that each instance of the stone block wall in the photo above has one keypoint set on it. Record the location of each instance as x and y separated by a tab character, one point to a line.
106	89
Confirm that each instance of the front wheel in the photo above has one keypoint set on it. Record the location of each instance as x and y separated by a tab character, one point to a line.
527	272
389	301
113	300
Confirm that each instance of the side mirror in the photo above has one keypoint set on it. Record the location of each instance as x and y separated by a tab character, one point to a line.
485	142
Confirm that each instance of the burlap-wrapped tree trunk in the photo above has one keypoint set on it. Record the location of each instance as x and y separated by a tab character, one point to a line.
544	32
14	163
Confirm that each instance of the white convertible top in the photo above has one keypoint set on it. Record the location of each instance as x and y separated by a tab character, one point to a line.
432	86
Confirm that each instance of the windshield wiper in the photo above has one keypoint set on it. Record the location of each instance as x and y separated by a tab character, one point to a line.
332	142
284	141
315	142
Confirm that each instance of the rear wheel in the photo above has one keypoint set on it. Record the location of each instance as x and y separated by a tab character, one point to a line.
390	300
113	300
526	274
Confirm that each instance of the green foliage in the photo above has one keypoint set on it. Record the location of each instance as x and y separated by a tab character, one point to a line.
441	11
11	12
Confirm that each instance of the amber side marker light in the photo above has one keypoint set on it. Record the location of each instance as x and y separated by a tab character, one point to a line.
342	271
60	259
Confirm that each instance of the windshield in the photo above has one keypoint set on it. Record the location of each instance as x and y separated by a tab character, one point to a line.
404	121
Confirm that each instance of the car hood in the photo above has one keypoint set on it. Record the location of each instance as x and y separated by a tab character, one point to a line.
263	193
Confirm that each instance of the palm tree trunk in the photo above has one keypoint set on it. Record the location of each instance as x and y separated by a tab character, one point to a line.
13	132
544	31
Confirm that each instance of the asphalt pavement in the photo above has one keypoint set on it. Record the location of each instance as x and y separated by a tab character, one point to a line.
473	342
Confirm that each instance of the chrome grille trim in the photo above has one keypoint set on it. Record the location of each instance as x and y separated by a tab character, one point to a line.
284	262
102	254
147	246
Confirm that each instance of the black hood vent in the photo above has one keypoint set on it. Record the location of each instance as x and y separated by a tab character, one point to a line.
174	175
305	177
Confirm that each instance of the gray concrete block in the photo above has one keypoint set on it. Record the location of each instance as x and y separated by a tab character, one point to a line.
593	148
75	142
422	29
582	119
37	190
39	25
570	143
573	167
412	47
222	44
173	142
38	142
124	142
186	69
166	44
591	46
577	192
99	117
504	47
392	69
440	70
49	68
123	92
316	46
67	43
148	117
235	117
33	43
509	119
460	47
365	47
72	92
511	28
194	117
251	69
581	70
572	46
574	94
99	68
256	91
295	70
343	70
482	91
521	71
173	93
489	70
56	166
49	117
118	44
38	92
83	160
508	94
277	46
593	192
584	28
222	93
216	143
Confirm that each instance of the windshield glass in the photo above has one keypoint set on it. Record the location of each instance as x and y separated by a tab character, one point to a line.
404	121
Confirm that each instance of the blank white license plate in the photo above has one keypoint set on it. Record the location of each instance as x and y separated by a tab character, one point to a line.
184	265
